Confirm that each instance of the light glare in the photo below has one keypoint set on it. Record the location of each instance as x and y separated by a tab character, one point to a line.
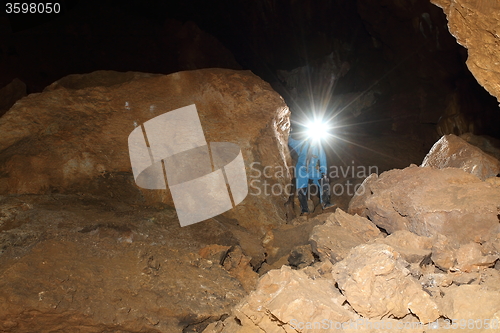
317	130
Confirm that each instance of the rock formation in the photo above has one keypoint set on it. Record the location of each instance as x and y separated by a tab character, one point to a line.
72	138
442	246
473	25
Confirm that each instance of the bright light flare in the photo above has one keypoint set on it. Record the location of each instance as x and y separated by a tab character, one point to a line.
317	130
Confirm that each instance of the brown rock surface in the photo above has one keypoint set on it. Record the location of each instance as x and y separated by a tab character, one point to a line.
452	151
471	302
339	234
430	201
238	266
84	264
377	284
284	301
474	24
411	247
444	253
471	257
72	138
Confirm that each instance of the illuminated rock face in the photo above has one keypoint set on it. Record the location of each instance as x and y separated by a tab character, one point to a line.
429	201
72	138
453	152
474	24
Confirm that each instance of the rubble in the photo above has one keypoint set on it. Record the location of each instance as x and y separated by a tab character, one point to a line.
429	202
339	234
377	284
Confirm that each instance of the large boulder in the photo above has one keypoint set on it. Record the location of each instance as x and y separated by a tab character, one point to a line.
429	202
453	151
72	138
473	23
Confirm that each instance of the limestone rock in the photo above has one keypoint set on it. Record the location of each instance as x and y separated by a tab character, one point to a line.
10	94
443	253
286	298
72	138
452	151
471	302
376	283
429	202
339	234
471	257
411	247
471	22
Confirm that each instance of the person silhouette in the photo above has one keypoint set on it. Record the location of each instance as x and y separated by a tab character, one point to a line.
311	168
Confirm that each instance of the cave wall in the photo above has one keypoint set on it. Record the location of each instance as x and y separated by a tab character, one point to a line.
475	25
392	64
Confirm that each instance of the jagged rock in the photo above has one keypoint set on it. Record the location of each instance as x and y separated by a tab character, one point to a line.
286	299
471	22
411	247
72	138
452	151
377	284
339	234
10	94
429	202
471	257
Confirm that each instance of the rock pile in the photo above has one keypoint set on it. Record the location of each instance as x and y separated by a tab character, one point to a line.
416	254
